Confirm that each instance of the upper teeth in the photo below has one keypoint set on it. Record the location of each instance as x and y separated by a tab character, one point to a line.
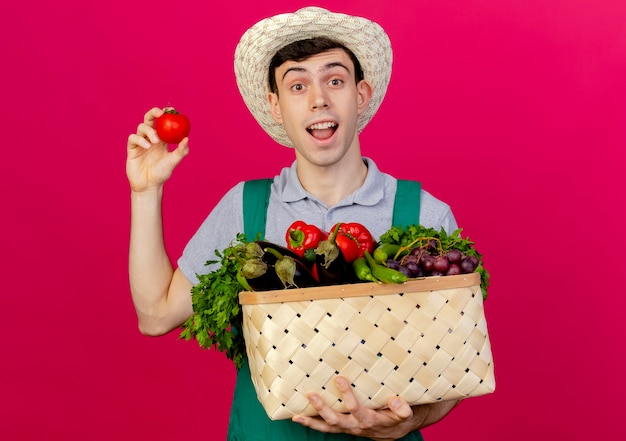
322	125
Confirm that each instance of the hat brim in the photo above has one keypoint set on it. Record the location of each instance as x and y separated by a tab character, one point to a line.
366	39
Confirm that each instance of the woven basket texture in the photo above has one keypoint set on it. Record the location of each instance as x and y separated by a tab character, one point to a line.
425	340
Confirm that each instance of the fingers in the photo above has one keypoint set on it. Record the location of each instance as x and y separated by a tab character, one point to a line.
138	141
151	115
146	129
391	423
146	134
330	420
353	405
330	417
329	423
400	408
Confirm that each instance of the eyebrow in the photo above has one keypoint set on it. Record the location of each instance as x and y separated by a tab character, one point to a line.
326	67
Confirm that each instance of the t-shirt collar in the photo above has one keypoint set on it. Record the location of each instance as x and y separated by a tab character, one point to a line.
370	193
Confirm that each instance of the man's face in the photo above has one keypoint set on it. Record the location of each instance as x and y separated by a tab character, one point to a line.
318	104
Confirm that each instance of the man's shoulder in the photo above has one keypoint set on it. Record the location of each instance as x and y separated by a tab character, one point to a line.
429	200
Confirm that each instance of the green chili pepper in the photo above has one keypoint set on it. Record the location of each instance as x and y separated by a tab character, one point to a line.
385	251
362	270
383	273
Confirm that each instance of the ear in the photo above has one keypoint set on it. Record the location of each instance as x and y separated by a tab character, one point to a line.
364	95
275	108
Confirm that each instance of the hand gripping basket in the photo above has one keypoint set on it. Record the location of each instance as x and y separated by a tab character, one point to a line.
425	340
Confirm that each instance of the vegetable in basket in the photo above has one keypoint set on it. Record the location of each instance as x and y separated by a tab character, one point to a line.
362	270
303	238
330	264
353	239
335	255
291	271
269	266
217	315
420	252
215	302
384	273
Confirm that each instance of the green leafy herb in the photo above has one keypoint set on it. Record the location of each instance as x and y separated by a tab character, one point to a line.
217	318
416	235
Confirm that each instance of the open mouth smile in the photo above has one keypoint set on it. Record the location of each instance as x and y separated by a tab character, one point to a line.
322	130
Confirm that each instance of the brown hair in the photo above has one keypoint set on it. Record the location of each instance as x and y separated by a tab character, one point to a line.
303	49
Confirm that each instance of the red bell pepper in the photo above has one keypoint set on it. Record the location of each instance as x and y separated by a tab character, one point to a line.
302	237
353	239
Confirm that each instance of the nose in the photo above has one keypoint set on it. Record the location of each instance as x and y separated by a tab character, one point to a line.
319	98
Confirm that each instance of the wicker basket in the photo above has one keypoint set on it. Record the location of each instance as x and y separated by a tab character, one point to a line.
425	340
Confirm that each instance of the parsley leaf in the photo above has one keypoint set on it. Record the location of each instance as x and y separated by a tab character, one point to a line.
217	319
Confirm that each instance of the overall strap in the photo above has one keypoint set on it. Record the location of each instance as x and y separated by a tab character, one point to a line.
256	198
406	207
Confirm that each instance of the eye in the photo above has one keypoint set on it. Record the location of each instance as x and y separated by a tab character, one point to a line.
335	82
298	87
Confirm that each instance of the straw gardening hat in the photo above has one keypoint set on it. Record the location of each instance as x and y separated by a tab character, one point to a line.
366	39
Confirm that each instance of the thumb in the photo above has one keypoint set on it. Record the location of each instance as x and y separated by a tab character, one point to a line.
180	152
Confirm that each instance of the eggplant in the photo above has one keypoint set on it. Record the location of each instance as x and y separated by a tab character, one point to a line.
331	265
270	266
259	275
291	271
271	258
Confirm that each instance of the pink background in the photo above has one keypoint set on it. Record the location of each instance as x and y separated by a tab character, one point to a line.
513	112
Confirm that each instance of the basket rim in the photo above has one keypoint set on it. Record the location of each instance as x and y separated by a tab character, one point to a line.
430	283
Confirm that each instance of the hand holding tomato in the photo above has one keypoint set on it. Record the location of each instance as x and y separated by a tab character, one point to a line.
149	163
172	127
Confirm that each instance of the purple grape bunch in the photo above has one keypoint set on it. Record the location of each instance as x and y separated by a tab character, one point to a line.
430	260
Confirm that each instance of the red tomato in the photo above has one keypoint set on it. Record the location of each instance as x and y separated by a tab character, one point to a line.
172	126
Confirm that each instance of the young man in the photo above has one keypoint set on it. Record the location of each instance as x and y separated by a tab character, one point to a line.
313	80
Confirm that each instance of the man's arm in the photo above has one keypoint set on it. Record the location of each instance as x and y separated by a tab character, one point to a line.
161	295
